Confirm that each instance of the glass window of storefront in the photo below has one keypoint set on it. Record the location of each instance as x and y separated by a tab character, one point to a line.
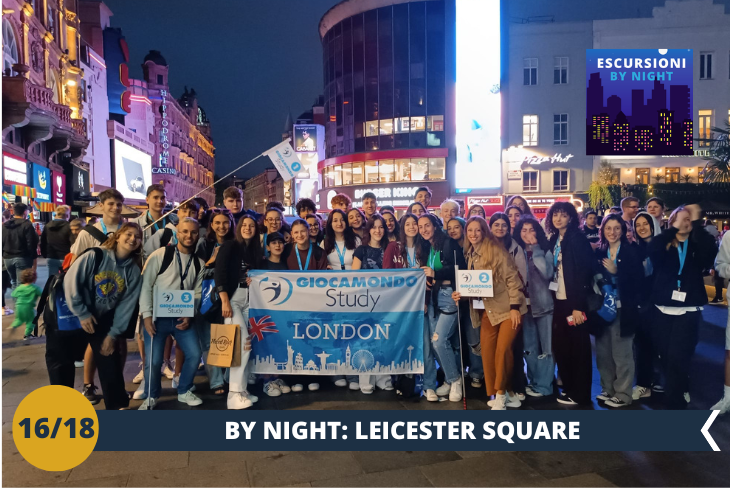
385	79
385	171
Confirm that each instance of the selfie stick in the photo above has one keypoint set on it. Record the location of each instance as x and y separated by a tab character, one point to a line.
458	331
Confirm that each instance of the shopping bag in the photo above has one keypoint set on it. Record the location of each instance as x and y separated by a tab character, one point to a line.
225	345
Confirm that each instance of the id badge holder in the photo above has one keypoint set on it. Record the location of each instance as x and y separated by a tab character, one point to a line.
478	304
553	286
679	296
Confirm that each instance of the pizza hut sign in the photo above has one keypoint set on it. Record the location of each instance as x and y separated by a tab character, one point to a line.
556	158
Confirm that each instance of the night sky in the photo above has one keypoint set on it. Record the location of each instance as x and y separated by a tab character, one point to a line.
252	62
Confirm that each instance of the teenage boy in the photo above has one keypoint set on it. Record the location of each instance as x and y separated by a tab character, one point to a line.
20	242
111	215
341	202
156	202
56	239
369	204
233	201
305	206
168	235
423	196
275	244
92	236
172	268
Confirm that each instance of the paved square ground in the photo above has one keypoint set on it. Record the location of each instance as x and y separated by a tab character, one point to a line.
23	370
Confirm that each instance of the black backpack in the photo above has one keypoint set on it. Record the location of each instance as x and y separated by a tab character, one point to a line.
96	234
166	237
170	255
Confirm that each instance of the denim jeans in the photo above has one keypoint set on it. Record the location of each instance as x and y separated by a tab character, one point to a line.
154	349
215	373
54	266
15	266
238	375
537	333
443	325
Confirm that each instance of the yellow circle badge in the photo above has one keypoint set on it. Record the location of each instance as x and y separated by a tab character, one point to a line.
55	428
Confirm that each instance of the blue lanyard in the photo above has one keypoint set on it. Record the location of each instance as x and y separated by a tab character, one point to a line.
682	251
187	268
341	254
103	227
556	252
411	257
156	224
608	253
432	259
299	259
266	251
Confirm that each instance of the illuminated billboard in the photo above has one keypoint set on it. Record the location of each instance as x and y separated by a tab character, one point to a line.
478	107
309	146
133	171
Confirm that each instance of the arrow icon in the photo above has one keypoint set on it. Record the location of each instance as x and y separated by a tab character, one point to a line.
706	430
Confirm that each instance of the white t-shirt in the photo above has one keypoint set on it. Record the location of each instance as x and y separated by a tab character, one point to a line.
560	293
85	240
333	258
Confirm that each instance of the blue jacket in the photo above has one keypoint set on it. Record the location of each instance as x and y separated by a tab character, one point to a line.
540	271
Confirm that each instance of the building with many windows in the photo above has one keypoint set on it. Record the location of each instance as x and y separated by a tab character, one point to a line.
386	100
546	153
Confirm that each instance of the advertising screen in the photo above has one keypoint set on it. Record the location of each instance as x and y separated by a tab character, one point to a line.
478	107
309	146
133	171
15	171
59	188
42	183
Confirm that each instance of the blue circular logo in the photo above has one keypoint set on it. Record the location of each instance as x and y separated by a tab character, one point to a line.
296	167
484	277
186	297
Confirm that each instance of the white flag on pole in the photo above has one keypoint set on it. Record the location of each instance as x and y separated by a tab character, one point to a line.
285	159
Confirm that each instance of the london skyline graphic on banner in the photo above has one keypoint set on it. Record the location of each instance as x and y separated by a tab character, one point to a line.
639	102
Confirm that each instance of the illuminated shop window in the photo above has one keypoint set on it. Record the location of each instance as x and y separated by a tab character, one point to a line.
386	127
402	124
386	169
642	176
672	175
371	128
418	124
338	175
357	173
347	174
419	169
402	170
371	171
435	123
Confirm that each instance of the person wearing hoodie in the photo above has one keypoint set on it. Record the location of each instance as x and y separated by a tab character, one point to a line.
150	220
722	267
646	226
679	256
56	239
20	242
103	296
167	236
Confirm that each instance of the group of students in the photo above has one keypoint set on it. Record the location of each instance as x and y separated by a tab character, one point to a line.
549	281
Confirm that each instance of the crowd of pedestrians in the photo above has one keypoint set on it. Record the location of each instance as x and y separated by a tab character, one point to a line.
630	279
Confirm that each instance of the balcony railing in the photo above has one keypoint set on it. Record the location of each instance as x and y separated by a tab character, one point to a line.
79	126
63	112
17	89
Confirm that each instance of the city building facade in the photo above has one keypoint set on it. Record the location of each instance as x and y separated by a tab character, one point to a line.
263	188
387	100
545	158
44	134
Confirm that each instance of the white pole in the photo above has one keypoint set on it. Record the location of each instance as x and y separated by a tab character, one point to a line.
458	331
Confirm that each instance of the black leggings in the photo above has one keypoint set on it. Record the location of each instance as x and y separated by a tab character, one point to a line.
62	349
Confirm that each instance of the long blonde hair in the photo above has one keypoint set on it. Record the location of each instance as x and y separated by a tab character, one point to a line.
112	242
488	250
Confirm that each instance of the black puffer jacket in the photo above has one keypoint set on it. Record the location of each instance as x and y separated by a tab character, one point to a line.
19	239
56	239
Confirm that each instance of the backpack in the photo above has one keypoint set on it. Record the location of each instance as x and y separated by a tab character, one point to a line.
52	306
170	255
166	237
96	234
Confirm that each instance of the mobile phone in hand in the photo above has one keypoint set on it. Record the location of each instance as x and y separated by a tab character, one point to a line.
571	321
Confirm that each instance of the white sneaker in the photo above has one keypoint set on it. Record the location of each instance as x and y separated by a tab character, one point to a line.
455	394
237	401
640	392
532	392
444	389
686	396
297	388
137	379
313	386
603	396
8	311
251	379
367	389
250	396
341	383
190	399
148	404
520	396
354	385
512	402
168	372
283	387
499	402
78	364
176	381
141	392
723	405
271	389
384	383
431	396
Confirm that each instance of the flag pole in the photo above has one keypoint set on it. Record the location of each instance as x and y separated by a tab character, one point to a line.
204	189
